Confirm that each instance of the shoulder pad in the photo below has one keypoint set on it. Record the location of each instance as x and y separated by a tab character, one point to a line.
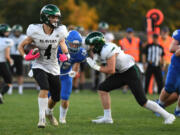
32	28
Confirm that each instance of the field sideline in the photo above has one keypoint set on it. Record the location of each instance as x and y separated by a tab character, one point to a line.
19	116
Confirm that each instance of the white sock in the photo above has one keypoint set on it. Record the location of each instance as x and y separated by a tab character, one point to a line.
177	108
161	102
63	112
107	113
1	95
153	106
20	90
49	111
10	91
43	105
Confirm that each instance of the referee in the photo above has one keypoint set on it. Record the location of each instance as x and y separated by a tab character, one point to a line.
152	61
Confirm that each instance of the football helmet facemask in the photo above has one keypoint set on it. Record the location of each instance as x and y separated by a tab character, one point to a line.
97	40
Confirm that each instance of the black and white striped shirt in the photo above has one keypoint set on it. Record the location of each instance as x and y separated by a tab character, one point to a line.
154	53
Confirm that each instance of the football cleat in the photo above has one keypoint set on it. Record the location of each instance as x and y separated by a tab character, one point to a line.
62	121
170	119
52	119
42	123
177	113
103	120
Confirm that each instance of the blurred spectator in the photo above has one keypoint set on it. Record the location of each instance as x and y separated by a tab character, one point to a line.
165	41
103	27
5	45
71	27
152	61
131	44
17	68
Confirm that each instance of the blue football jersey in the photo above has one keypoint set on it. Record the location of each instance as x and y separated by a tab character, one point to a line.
78	57
175	61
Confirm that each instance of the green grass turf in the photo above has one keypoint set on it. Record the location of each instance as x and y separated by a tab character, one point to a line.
19	116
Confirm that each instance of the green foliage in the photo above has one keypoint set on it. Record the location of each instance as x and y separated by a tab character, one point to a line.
120	14
131	13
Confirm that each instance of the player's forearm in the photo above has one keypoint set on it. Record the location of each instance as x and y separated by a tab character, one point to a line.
107	69
7	54
76	67
21	48
63	46
27	41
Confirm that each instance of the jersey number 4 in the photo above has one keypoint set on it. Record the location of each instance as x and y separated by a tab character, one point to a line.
48	52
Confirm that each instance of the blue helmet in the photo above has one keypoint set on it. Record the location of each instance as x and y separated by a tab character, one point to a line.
74	41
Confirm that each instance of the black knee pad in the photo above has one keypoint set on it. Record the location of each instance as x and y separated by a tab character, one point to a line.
55	98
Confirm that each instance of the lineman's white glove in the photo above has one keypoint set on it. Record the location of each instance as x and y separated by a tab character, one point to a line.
92	64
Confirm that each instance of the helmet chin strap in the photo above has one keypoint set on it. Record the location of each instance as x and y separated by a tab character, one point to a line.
55	25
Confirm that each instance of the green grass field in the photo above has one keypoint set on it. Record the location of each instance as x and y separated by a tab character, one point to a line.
19	116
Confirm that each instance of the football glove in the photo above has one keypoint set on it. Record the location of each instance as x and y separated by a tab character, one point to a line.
64	57
93	64
31	56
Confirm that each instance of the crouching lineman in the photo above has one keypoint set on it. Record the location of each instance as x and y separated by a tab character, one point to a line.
68	70
5	45
47	37
123	71
172	86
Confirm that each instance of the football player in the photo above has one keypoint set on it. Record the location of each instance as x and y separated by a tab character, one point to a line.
17	68
47	37
123	71
5	45
172	85
69	69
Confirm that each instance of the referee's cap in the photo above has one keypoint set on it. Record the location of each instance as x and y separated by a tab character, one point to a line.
129	30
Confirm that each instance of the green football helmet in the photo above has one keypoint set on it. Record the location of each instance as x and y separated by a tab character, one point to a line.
47	11
4	28
18	28
97	40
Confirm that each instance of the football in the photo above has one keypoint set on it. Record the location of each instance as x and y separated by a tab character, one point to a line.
27	48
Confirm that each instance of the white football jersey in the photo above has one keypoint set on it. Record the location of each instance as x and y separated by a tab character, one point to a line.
17	41
123	61
48	46
4	43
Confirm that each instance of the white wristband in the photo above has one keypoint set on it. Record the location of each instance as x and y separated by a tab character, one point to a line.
24	56
97	67
68	55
